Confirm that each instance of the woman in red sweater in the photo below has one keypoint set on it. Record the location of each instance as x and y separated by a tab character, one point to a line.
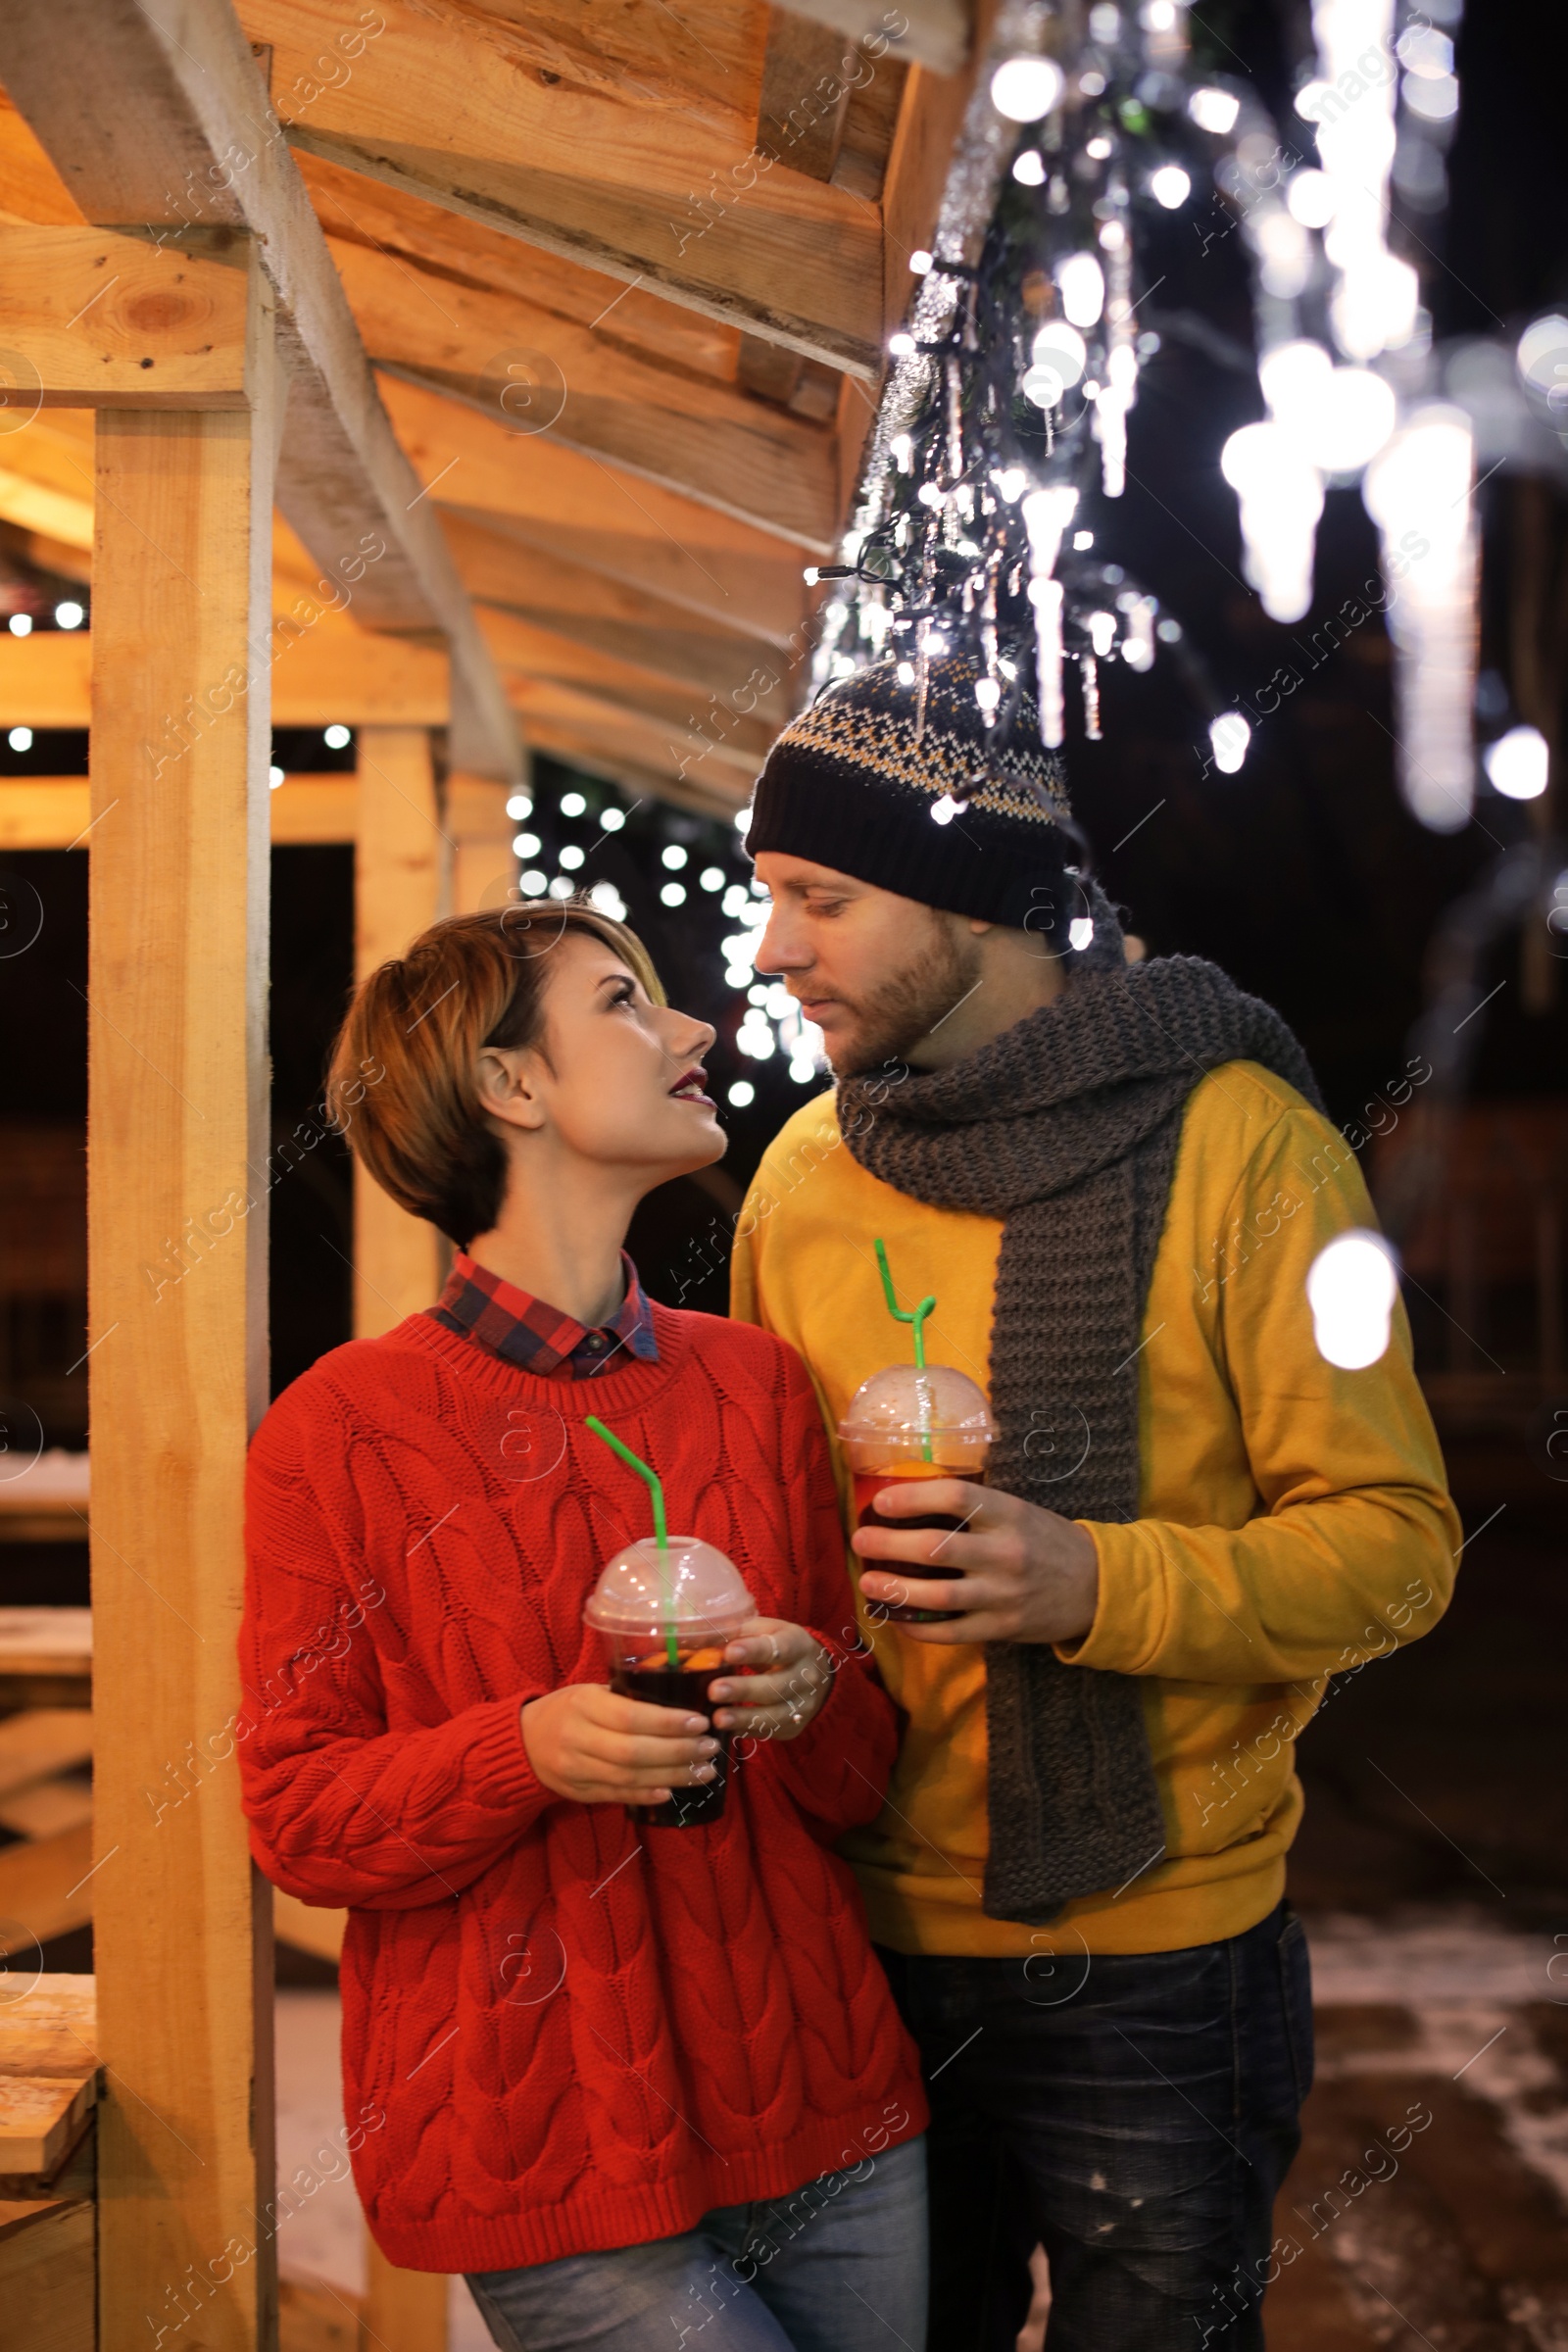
636	2081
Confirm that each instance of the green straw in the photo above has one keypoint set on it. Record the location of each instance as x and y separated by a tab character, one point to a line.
917	1316
660	1529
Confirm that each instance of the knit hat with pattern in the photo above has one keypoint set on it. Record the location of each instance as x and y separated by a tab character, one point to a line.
856	784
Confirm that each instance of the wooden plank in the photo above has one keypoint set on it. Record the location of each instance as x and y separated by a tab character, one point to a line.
50	1808
932	32
800	113
592	513
126	105
484	863
316	810
611	618
51	2027
405	2311
523	649
306	1927
445	247
768	369
531	372
110	320
322	672
659	742
318	2319
53	812
33	1747
45	1888
529	130
178	1130
47	2270
930	115
24	2202
41	2119
401	886
46	1642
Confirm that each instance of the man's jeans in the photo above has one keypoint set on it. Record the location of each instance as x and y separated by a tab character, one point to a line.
1133	2114
840	2265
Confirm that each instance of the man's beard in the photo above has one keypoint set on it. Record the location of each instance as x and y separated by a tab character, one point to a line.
893	1021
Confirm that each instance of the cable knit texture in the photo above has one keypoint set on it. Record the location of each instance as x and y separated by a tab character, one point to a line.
1066	1126
562	2030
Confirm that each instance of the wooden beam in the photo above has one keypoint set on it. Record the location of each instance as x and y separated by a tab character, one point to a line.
110	321
933	32
803	97
617	742
613	618
621	766
178	1140
532	372
640	165
591	514
524	650
930	114
322	673
405	2311
484	863
401	884
126	105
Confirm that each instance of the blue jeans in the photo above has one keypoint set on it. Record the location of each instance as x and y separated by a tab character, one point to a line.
839	2265
1133	2114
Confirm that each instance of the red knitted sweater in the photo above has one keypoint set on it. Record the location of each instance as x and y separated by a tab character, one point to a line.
581	2032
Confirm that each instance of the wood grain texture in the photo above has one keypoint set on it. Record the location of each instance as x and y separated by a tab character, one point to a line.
405	2311
177	1143
167	122
647	173
927	33
36	1744
484	863
804	98
529	370
109	320
593	514
320	673
47	2271
401	884
46	1888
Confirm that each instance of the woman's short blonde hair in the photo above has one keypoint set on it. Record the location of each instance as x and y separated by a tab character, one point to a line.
403	1083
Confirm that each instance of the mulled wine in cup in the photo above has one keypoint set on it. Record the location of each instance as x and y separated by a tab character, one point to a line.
666	1613
907	1424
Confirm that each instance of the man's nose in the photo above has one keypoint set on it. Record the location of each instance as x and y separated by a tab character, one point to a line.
776	952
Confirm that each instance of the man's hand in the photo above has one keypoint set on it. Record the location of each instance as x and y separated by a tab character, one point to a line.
1028	1575
584	1741
791	1676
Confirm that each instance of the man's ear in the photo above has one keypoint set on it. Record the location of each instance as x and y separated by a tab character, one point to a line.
503	1079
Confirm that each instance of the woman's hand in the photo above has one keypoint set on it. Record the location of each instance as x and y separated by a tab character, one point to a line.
586	1742
791	1676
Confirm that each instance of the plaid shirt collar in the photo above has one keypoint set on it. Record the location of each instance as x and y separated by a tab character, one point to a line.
527	1332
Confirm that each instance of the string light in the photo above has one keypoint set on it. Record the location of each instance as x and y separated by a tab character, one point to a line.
1019	366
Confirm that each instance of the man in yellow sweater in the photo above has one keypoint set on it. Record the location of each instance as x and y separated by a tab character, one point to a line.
1114	1179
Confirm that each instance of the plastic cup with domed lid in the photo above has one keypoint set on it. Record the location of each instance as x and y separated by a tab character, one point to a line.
907	1424
665	1607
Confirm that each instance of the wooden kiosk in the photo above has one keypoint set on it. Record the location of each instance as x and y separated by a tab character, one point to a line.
555	363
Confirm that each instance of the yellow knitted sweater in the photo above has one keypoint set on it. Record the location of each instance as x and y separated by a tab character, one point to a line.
1295	1520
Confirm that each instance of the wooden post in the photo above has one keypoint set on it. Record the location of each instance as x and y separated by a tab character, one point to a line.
405	2311
402	883
177	1357
484	863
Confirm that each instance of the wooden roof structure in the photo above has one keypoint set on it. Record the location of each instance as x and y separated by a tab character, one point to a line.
623	278
485	374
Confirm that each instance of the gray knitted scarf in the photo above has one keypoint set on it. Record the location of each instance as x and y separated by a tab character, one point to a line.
1067	1127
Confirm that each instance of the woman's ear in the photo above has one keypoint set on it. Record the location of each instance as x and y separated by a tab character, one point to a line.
505	1078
